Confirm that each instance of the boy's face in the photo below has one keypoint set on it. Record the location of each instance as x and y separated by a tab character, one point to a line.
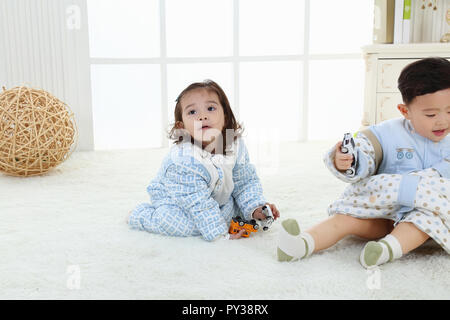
202	115
429	114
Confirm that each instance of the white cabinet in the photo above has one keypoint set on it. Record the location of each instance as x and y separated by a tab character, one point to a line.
383	66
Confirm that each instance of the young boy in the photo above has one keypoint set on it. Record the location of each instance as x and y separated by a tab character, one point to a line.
401	188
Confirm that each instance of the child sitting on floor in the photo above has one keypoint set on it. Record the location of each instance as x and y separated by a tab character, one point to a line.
207	177
401	189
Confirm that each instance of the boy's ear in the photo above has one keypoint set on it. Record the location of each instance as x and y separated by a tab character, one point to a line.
403	108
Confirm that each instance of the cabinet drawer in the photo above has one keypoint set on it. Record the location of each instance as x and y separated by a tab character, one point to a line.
387	106
388	73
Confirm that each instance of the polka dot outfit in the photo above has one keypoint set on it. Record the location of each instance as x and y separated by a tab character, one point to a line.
376	196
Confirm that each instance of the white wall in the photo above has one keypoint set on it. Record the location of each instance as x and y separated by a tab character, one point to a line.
2	55
45	44
2	68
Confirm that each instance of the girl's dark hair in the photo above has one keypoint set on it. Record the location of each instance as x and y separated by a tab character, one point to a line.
180	135
424	76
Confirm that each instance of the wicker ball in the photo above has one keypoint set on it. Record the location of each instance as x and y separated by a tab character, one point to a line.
37	131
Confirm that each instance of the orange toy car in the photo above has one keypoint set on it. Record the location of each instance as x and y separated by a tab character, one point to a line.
237	224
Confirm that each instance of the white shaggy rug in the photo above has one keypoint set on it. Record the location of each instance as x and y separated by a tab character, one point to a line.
63	236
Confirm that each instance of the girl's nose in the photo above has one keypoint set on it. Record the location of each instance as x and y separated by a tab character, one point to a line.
202	118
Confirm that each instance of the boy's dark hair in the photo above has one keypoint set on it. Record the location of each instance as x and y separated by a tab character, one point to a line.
230	120
424	76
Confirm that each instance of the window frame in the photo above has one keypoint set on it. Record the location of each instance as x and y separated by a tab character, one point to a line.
236	59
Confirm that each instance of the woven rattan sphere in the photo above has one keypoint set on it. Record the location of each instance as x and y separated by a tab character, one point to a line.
37	131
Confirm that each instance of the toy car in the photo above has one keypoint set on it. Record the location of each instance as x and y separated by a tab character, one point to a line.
267	222
237	224
348	146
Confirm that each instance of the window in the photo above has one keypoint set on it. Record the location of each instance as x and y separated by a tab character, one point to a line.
268	27
289	67
199	28
124	29
127	105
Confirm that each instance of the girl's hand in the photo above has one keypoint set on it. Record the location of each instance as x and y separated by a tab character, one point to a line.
342	161
259	215
237	235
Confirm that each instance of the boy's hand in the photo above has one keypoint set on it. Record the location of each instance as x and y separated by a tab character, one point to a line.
259	215
342	161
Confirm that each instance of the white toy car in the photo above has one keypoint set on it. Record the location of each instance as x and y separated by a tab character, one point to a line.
267	222
348	146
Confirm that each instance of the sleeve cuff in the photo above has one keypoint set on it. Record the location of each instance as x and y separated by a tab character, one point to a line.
248	214
443	168
361	170
222	236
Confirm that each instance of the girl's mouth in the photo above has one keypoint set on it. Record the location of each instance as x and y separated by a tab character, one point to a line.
205	127
439	132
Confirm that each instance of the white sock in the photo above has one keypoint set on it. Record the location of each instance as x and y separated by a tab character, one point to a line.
376	253
310	243
293	245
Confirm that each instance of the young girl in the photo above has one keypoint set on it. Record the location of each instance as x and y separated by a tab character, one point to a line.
206	178
401	189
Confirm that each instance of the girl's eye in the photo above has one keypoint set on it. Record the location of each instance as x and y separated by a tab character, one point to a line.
430	115
211	108
191	112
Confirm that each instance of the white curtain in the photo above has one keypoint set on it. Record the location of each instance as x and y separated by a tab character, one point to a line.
44	44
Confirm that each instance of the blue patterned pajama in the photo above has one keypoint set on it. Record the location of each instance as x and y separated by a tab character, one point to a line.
196	193
171	220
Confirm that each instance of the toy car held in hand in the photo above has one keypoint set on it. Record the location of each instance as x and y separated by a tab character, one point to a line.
267	222
348	146
237	224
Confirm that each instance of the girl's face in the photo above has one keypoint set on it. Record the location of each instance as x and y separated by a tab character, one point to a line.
202	115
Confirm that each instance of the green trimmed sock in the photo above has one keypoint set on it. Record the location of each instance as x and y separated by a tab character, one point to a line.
292	244
376	253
